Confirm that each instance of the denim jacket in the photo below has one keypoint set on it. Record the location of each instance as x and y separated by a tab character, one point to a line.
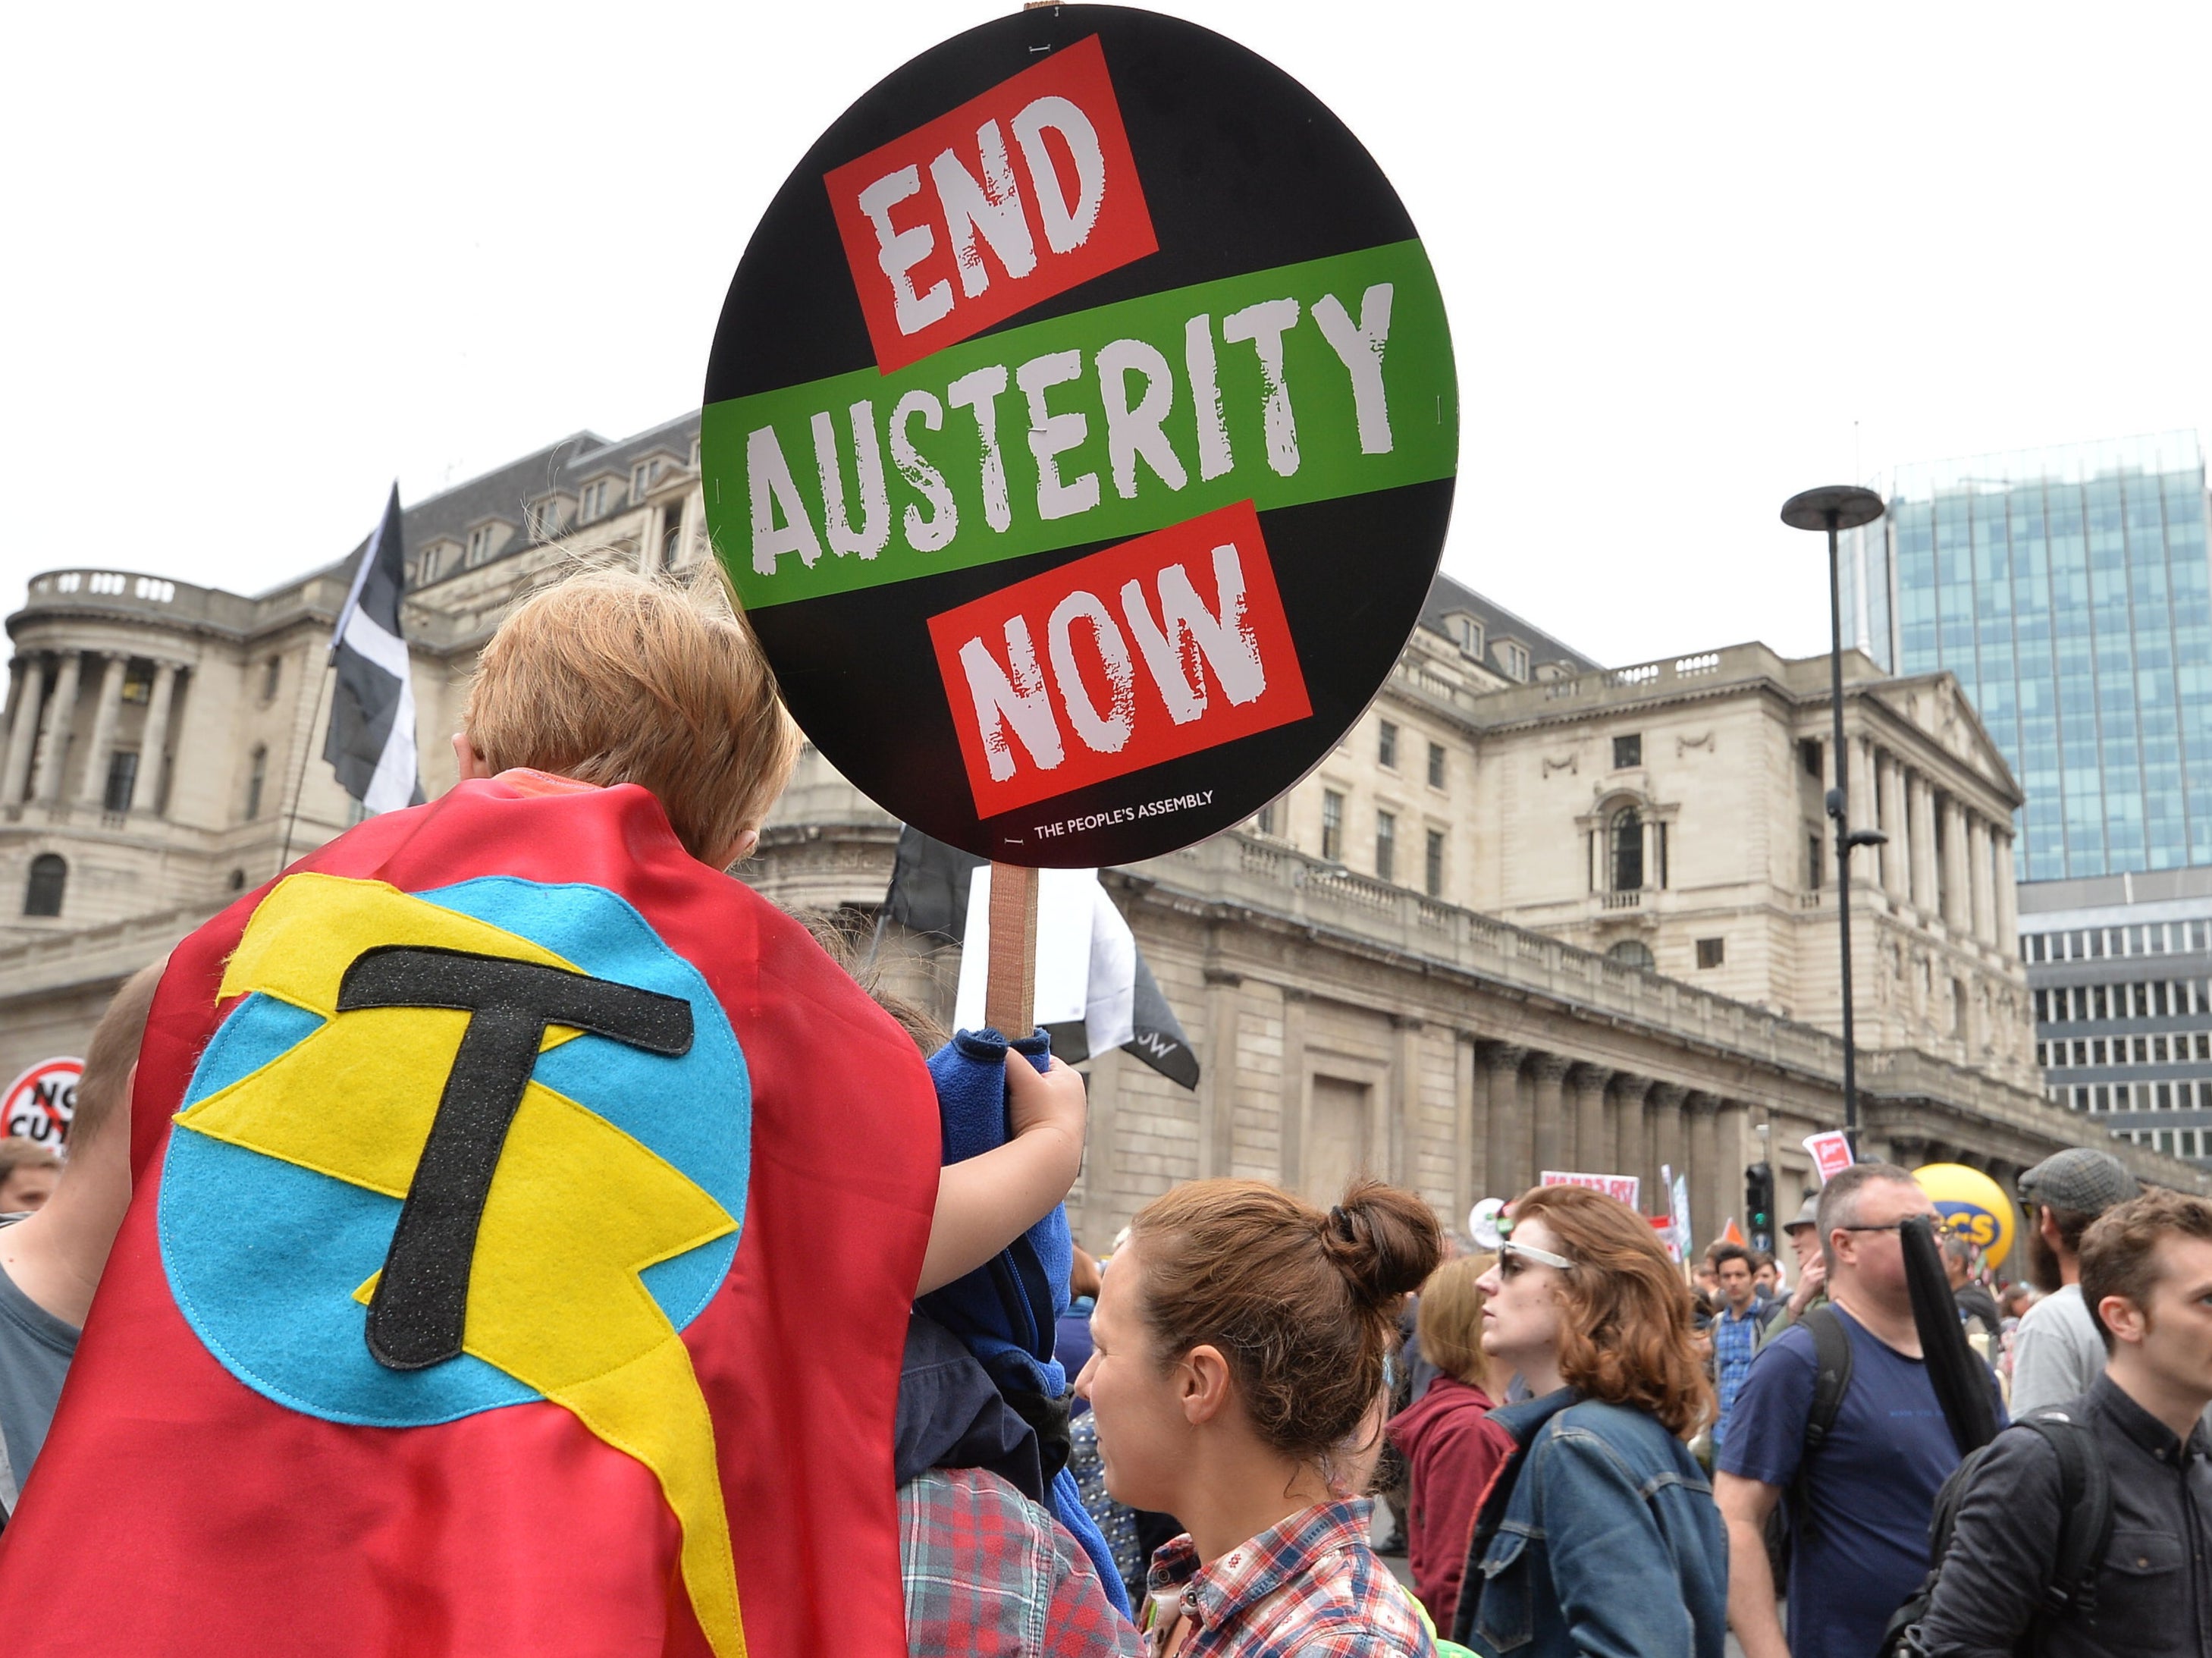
1599	1536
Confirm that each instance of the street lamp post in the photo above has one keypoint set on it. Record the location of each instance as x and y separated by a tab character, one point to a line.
1834	508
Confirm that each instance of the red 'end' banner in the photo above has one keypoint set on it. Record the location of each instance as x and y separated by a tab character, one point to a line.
1037	170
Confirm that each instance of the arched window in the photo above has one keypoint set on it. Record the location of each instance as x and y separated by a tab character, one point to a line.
49	875
1627	831
1633	953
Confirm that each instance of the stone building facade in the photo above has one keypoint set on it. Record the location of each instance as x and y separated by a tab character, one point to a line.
1453	1002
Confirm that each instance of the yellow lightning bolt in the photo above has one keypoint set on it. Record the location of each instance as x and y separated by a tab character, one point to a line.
576	1209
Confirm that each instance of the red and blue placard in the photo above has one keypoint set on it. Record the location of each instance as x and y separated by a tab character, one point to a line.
1080	434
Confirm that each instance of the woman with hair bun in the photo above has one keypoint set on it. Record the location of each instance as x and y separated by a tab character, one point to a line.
1239	1362
1598	1536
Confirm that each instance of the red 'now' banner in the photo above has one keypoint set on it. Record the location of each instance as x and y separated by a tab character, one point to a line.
1152	650
1018	194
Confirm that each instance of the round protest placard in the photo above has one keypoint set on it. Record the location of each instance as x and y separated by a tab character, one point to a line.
1080	436
39	1104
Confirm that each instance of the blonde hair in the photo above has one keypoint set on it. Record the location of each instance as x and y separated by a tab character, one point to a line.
1449	1321
610	677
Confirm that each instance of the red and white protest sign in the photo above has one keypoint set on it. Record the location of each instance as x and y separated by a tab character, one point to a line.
1155	648
1018	194
1832	1153
39	1104
1626	1187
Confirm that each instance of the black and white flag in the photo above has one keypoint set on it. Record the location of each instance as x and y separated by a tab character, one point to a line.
1094	989
371	743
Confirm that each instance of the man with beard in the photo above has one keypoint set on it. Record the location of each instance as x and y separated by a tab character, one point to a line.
2057	1352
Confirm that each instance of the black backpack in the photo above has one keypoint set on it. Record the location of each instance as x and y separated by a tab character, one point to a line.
1792	1518
2085	1532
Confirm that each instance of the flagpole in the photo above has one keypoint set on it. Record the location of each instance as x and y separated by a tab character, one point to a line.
1010	980
299	771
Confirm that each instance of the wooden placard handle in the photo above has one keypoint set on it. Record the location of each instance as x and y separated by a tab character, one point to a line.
1010	981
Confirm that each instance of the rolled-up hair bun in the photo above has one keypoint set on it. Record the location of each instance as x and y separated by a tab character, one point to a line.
1385	1241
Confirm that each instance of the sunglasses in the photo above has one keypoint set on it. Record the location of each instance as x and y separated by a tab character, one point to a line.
1513	1258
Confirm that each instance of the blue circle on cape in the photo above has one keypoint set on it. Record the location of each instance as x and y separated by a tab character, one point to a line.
264	1256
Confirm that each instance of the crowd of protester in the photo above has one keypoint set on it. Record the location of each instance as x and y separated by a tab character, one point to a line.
1597	1451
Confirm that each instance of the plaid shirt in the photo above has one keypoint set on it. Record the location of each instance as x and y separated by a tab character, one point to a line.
991	1574
1308	1588
1735	1341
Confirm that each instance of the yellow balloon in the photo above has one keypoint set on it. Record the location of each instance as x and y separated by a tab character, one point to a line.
1973	1206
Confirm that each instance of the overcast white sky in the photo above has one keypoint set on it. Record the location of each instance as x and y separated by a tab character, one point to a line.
262	258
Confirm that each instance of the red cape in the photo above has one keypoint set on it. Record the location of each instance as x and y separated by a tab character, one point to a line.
176	1510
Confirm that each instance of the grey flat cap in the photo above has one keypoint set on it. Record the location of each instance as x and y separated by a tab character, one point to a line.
1810	1215
2086	1181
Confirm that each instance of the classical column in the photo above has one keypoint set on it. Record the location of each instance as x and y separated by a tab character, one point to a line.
1217	1091
1466	1143
1501	1062
687	534
1630	1145
1592	1143
1957	895
1978	875
1662	1110
1293	1085
154	746
53	740
1897	856
23	729
1551	1071
1921	806
2002	875
1734	1153
91	782
1863	803
1404	1138
1705	1197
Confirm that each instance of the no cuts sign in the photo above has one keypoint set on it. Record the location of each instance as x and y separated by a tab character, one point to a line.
1080	436
40	1104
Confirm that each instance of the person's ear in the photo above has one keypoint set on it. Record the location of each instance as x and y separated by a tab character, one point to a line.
1203	1385
742	849
470	763
2127	1321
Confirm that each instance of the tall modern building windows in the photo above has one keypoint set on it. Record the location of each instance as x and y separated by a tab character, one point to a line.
2069	590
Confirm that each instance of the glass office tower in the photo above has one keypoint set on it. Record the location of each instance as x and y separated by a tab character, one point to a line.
2069	590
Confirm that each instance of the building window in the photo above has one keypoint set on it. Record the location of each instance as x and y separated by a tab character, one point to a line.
671	539
593	503
1265	822
237	880
257	780
1808	756
1815	865
1467	632
1712	952
138	683
1331	826
1436	766
1513	659
272	674
1386	743
122	779
1627	834
49	875
479	545
545	518
1628	751
1634	953
1386	845
1433	872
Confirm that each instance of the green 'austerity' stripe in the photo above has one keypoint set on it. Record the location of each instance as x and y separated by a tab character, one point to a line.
1417	381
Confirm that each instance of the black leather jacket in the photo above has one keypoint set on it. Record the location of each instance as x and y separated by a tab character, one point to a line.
2154	1590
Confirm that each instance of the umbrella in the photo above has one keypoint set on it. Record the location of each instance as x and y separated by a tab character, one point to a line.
1961	1381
